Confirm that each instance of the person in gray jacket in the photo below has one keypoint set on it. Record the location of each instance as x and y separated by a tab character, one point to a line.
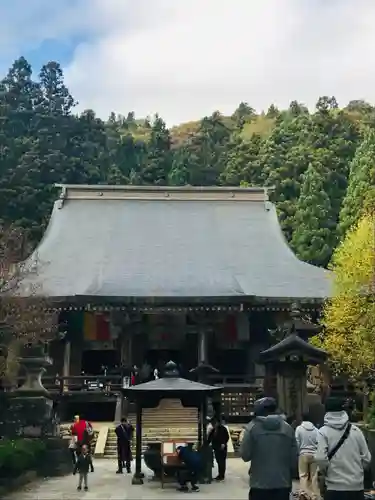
307	442
344	472
270	445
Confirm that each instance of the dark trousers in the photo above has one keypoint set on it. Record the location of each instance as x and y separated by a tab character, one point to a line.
123	455
344	495
73	455
279	494
185	476
221	459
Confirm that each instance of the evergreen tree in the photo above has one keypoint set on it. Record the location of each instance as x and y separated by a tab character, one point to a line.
284	157
296	109
157	166
19	93
43	142
361	181
273	112
313	236
182	166
56	98
242	162
243	114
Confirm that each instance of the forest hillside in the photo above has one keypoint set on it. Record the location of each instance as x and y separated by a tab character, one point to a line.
321	162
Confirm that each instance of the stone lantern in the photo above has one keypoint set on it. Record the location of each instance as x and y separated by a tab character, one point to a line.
31	404
288	361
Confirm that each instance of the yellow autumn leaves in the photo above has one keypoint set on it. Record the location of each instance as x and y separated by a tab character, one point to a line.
349	317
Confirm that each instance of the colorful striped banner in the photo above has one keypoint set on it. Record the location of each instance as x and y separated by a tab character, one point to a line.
96	327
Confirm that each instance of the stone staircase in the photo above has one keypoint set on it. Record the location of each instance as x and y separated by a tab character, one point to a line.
170	421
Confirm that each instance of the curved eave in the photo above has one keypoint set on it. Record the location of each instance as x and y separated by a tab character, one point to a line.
292	343
164	250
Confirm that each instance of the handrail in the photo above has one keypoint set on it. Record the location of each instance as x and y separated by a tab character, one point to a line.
233	379
72	383
114	383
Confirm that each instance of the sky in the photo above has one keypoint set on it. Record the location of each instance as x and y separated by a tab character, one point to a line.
185	59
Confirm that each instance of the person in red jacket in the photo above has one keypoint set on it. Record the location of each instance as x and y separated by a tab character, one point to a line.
83	430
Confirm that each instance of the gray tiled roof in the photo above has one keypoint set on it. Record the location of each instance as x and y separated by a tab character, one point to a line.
171	247
175	385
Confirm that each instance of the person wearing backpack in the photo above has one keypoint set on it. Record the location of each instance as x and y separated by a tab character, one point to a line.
83	431
342	455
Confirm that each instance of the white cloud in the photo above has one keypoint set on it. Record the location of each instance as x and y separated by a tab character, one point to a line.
187	58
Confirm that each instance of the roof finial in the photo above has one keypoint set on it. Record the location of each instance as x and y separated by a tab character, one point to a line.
295	311
171	370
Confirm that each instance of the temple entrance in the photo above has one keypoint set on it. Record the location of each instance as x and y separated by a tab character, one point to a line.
94	361
158	358
94	411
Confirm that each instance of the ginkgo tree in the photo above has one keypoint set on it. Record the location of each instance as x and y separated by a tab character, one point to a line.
349	316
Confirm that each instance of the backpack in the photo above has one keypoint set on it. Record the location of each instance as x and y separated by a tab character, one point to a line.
89	430
331	454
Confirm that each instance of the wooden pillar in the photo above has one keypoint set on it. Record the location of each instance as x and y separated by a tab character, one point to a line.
202	345
66	364
138	476
204	421
207	450
126	346
126	362
200	435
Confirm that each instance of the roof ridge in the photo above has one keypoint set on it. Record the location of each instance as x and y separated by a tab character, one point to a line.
182	193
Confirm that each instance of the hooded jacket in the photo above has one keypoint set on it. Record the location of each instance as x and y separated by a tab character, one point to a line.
270	445
307	438
345	471
191	458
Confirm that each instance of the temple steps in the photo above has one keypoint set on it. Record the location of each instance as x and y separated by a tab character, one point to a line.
149	436
170	421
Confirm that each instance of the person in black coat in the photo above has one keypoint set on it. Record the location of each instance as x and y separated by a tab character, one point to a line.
82	466
218	437
124	433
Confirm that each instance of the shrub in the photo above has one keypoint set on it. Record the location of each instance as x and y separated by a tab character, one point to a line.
20	455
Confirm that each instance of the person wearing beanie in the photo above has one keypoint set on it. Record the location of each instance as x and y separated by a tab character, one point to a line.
342	454
270	445
307	442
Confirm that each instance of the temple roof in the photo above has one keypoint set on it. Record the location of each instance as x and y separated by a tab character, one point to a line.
163	242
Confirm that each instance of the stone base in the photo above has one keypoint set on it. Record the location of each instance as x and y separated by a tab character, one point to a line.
28	416
58	460
137	479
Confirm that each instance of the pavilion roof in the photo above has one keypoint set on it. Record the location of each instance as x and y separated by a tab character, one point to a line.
169	243
293	344
171	385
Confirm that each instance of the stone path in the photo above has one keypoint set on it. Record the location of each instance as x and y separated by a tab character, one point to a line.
104	484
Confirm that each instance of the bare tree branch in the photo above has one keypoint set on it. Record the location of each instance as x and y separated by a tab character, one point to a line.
24	320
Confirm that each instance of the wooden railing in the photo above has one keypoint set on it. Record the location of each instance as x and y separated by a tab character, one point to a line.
114	383
76	383
236	380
